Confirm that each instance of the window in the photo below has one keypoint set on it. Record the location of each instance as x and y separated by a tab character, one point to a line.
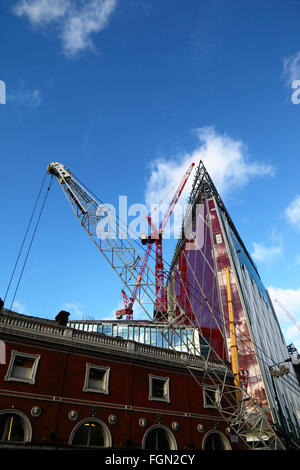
91	433
96	379
211	397
130	332
218	238
215	440
159	437
14	426
107	330
159	388
22	367
11	428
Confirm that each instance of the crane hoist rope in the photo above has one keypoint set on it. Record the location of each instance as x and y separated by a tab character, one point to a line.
31	240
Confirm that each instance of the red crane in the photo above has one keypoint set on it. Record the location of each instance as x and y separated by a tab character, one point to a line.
288	314
156	237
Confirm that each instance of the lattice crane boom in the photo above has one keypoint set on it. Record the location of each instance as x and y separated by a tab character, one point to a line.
176	197
129	302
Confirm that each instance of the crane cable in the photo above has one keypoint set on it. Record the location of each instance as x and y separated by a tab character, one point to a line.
20	251
31	241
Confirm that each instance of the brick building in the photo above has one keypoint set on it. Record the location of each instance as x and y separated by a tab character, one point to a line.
61	387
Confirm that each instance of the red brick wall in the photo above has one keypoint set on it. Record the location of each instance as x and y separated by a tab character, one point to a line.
58	389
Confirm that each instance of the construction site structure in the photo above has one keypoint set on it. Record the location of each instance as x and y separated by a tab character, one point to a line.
230	304
156	237
245	410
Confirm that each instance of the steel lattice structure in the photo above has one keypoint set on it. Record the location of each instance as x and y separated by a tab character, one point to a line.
244	416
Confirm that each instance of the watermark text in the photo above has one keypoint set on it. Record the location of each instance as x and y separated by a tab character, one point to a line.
2	92
133	222
296	95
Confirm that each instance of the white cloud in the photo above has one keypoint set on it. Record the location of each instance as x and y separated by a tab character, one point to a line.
79	26
42	11
290	300
31	98
75	309
18	307
291	68
163	182
226	160
267	253
293	213
76	21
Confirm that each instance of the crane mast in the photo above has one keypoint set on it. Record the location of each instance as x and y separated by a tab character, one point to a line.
244	417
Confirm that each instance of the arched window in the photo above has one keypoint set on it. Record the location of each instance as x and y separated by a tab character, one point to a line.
215	440
91	433
14	427
159	438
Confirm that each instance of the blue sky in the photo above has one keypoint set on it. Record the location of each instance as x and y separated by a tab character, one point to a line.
126	93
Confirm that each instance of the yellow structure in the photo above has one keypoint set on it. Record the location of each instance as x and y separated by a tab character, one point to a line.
233	343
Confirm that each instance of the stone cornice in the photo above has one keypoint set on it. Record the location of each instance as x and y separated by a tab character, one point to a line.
42	330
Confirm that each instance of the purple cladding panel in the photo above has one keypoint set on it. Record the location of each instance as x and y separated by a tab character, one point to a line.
197	284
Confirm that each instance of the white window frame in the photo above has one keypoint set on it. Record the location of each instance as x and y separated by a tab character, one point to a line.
166	397
106	370
219	238
14	354
207	402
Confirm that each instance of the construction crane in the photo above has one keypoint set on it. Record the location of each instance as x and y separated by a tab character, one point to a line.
244	417
156	237
289	315
128	302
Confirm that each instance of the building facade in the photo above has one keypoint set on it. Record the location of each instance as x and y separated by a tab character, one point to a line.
200	283
62	387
